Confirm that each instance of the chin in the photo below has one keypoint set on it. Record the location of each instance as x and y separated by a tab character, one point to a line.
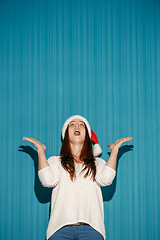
77	140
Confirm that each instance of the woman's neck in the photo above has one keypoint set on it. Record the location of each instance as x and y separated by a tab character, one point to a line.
76	151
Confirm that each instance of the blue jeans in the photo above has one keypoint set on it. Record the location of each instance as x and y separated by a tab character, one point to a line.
81	232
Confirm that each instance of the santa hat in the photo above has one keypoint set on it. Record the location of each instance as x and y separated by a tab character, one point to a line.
96	148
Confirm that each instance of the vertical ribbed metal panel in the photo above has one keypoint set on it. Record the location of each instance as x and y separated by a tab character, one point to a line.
97	58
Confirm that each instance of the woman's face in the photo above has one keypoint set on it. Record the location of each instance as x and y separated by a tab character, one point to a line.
76	131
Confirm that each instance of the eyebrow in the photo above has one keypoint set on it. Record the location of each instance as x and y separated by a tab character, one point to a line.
74	121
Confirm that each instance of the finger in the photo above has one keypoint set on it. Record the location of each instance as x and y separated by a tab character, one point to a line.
127	139
130	138
32	140
25	138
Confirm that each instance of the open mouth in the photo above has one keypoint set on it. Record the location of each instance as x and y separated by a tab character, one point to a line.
77	133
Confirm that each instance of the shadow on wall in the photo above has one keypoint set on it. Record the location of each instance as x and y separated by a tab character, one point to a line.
43	194
108	191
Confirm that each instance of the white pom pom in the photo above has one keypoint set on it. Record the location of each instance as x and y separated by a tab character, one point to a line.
97	150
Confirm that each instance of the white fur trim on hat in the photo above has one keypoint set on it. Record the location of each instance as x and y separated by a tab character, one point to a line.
65	125
97	150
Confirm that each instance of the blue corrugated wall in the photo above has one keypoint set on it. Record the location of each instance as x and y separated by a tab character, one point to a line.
97	58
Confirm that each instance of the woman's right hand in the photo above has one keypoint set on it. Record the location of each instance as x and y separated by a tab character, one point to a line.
36	143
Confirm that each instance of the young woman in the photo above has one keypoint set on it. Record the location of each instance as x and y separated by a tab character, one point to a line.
76	177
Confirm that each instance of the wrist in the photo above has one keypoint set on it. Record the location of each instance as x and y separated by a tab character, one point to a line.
114	150
41	150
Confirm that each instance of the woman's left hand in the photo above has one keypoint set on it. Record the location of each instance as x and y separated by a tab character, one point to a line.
118	143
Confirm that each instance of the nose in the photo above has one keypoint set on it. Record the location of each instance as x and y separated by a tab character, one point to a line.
76	124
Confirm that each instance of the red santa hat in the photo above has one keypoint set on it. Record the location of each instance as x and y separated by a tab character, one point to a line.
96	148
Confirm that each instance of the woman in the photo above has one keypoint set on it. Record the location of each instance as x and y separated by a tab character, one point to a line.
76	177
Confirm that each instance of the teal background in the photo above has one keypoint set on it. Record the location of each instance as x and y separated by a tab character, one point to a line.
96	58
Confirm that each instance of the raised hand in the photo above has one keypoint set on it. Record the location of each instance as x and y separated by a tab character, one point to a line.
112	161
118	143
42	161
36	143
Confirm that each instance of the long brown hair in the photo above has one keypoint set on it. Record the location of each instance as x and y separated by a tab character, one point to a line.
86	156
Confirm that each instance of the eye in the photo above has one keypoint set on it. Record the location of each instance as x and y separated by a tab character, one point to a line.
82	124
71	125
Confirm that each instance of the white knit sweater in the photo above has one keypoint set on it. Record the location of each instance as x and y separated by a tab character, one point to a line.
77	201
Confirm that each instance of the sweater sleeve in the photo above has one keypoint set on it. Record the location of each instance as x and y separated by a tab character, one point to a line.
49	176
105	174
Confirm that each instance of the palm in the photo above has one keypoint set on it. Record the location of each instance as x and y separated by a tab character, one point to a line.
119	142
36	143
